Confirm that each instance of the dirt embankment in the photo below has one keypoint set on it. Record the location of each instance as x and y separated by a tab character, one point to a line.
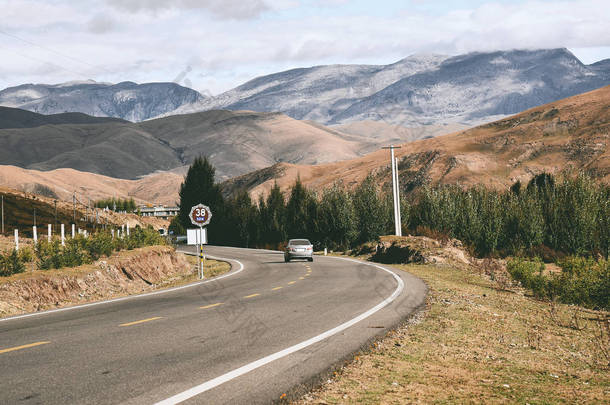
130	272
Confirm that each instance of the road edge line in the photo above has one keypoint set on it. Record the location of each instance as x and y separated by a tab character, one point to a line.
91	304
208	385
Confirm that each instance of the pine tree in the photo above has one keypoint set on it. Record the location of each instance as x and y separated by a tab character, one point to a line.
297	220
199	187
370	211
274	217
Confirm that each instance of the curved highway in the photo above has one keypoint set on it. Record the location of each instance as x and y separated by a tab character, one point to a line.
262	330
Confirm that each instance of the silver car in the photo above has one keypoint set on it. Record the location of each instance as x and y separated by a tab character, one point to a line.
298	249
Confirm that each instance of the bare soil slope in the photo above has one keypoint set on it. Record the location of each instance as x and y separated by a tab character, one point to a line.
159	187
570	133
22	209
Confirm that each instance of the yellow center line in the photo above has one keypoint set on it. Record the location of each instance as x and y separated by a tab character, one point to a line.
291	282
141	321
301	278
10	349
307	275
276	288
211	305
251	295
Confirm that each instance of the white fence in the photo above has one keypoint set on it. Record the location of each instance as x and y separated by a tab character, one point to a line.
120	232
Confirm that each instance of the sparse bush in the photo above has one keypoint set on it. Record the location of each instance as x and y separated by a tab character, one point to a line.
10	263
99	244
582	281
26	255
530	274
77	251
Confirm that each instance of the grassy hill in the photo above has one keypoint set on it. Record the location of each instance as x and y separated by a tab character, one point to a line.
570	133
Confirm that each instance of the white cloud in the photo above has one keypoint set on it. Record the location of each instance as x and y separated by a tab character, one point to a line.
228	42
101	24
235	9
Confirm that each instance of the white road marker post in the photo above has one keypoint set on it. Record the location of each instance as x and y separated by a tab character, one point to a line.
112	232
73	229
49	233
16	239
63	235
35	234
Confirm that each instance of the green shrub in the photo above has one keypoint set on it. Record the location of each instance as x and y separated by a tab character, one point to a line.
530	274
49	255
582	281
10	263
99	244
26	255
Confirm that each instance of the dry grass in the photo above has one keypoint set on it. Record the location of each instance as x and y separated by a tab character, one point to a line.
32	270
212	268
477	343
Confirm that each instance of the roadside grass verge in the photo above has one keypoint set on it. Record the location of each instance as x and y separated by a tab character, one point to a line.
212	268
477	343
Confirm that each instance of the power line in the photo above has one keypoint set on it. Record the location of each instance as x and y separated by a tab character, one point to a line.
45	61
54	51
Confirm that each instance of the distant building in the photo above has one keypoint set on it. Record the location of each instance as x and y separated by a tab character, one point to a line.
160	211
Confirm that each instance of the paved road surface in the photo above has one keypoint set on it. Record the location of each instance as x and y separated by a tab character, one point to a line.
224	341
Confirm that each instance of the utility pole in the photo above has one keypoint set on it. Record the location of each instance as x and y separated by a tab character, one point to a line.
2	214
74	207
395	190
34	216
55	201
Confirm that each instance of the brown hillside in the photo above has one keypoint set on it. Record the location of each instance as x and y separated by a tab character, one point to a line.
20	208
159	187
570	133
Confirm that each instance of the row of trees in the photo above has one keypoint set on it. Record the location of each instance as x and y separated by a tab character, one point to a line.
337	218
117	204
570	216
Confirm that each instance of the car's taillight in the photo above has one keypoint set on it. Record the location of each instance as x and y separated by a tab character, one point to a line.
309	248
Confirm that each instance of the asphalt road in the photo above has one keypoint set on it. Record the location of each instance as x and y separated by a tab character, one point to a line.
264	329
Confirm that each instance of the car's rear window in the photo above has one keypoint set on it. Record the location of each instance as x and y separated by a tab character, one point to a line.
299	242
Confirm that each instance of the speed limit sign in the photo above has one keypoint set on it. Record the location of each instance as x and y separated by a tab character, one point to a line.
200	215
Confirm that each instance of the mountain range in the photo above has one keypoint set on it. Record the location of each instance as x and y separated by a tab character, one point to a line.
419	90
125	100
236	142
570	133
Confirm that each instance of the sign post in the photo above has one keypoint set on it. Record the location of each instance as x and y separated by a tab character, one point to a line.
200	216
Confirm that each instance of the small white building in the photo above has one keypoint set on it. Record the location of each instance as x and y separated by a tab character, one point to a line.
160	211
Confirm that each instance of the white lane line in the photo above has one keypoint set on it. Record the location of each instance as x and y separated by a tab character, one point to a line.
208	385
241	267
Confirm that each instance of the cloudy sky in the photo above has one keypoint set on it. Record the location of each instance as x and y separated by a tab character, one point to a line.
214	45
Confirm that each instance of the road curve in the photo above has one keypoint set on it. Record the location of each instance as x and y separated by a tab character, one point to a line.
264	329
